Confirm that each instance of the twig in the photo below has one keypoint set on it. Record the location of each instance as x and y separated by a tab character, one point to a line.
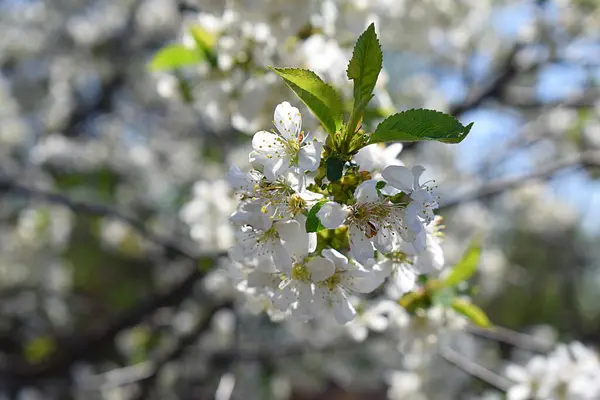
507	72
472	368
516	339
585	159
93	345
11	187
147	382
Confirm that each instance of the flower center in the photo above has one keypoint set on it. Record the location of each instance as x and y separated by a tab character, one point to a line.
300	273
296	204
333	281
369	216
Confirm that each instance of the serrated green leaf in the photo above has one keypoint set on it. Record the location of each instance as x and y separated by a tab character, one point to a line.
420	124
365	64
466	266
313	223
175	56
335	168
319	97
472	312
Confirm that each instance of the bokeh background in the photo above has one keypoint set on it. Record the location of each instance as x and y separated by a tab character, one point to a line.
114	205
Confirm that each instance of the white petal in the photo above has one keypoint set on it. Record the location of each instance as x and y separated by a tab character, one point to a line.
282	258
384	240
274	167
238	179
400	177
265	142
340	260
432	259
332	214
259	279
320	268
393	151
417	171
283	298
364	282
312	242
288	121
342	309
516	373
294	237
411	217
405	279
519	392
366	192
360	247
295	179
368	157
309	156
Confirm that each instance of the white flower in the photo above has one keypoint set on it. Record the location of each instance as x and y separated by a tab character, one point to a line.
266	244
377	156
348	277
424	200
296	290
531	381
290	147
332	214
282	198
377	318
373	220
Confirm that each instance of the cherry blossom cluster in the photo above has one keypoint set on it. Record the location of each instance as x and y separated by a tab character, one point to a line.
569	372
369	230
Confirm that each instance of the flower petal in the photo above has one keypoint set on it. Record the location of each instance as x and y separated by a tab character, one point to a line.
287	120
342	309
362	281
283	298
320	268
309	156
294	238
366	192
281	258
267	143
399	177
339	260
332	214
360	247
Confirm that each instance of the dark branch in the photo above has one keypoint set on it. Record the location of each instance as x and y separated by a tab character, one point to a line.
11	187
585	159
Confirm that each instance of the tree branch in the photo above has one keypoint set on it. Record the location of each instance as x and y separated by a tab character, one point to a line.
585	159
515	339
11	187
475	370
93	344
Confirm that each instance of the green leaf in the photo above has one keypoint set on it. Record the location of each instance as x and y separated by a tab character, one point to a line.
175	56
335	168
313	223
365	65
380	184
444	296
420	124
319	97
205	41
466	266
203	38
472	312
